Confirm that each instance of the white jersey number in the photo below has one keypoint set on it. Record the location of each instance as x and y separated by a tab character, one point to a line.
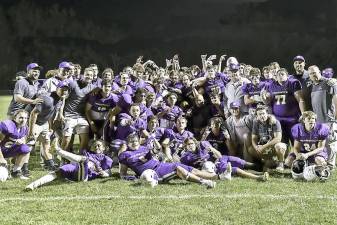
280	99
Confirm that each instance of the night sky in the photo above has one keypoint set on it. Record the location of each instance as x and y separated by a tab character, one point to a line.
114	33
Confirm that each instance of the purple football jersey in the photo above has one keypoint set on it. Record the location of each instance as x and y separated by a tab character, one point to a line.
12	133
284	103
132	160
251	90
197	158
309	139
176	139
123	131
101	106
216	86
96	161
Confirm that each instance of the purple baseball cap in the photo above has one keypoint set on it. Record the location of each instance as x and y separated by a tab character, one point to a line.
234	105
328	72
31	66
62	84
234	66
299	58
65	65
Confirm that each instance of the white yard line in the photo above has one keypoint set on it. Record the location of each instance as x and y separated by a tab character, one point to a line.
172	197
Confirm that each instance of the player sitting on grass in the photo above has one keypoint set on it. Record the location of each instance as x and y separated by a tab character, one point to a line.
196	154
139	158
91	165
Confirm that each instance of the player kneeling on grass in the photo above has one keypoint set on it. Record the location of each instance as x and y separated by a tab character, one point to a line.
139	159
13	134
266	140
310	138
197	154
91	165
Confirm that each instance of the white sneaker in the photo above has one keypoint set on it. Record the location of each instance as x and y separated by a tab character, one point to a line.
280	167
208	183
264	177
29	187
227	174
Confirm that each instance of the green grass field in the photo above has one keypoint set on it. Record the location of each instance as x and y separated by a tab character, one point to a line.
112	201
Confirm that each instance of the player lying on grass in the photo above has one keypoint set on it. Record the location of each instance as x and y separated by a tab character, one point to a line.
196	154
139	158
93	164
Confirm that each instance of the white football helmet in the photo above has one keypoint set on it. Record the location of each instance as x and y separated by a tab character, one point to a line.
3	173
208	166
149	177
231	60
297	169
314	173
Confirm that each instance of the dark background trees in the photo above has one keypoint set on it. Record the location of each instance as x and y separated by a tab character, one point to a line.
113	33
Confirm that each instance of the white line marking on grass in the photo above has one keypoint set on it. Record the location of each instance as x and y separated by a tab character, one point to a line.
172	197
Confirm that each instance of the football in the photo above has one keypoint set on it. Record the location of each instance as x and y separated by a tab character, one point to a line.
3	173
149	177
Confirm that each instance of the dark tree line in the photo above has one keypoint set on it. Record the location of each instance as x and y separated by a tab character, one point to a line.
114	33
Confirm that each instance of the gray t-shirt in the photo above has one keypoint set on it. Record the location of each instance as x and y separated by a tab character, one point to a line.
265	131
75	103
26	89
322	100
46	109
237	128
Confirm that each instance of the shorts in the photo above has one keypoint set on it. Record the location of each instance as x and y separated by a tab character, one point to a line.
75	171
236	162
15	150
41	132
168	171
311	160
75	126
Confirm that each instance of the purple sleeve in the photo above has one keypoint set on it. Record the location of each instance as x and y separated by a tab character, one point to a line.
323	132
168	133
3	128
107	163
188	158
124	116
245	89
123	158
295	130
125	101
205	144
